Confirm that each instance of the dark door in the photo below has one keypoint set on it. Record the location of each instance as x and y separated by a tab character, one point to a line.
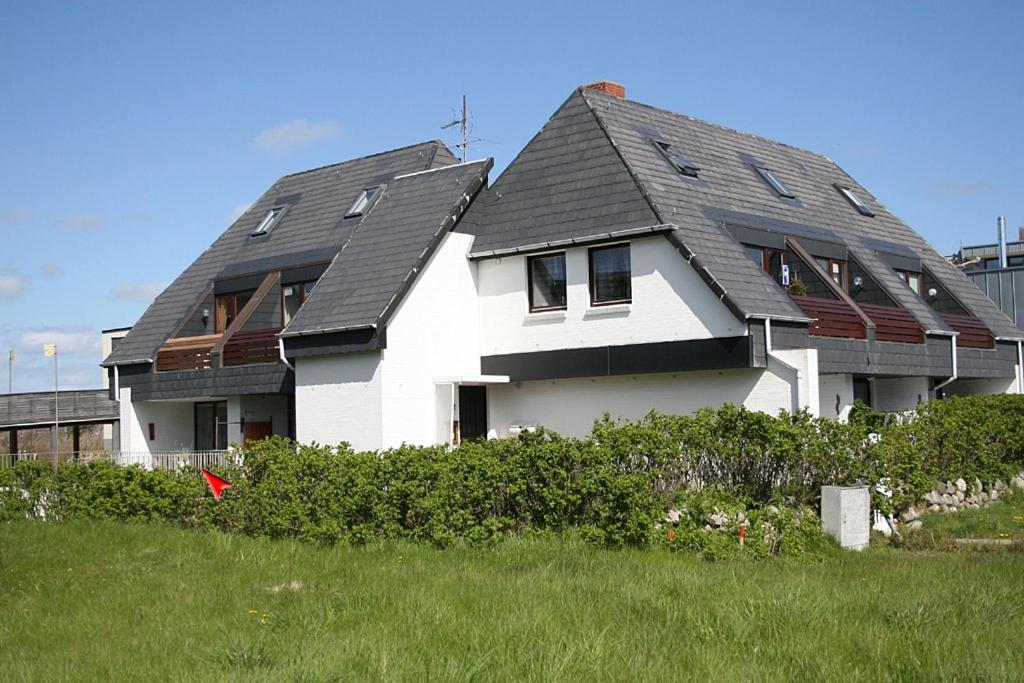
257	431
472	412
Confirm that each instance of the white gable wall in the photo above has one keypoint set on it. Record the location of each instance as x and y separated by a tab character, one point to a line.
433	335
670	302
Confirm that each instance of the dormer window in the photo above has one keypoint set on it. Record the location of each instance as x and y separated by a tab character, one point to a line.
854	201
773	180
363	202
270	220
676	158
912	279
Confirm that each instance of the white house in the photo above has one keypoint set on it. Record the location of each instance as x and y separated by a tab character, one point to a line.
628	259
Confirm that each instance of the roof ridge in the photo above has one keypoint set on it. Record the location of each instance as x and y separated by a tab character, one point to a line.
707	123
434	142
442	168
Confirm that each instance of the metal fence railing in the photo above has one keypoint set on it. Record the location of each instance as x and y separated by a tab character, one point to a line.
159	460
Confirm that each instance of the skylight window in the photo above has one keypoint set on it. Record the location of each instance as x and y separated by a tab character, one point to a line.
363	202
270	220
773	180
854	200
676	158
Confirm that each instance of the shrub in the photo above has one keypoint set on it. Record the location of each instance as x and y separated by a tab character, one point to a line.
612	487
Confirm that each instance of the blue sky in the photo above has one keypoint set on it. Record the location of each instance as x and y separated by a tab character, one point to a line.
132	133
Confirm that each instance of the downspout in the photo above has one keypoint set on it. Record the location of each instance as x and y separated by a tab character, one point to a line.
1020	367
952	344
280	348
117	381
771	357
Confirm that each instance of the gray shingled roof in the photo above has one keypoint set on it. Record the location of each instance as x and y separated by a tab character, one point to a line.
314	224
531	203
388	250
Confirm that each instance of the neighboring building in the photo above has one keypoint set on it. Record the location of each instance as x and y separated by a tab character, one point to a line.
110	339
628	259
1005	286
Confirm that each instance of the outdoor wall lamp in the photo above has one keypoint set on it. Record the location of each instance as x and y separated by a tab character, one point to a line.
206	317
858	282
932	293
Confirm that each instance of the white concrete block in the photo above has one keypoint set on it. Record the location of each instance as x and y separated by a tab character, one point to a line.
846	514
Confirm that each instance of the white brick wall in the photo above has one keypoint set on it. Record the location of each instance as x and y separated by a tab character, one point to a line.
338	398
433	335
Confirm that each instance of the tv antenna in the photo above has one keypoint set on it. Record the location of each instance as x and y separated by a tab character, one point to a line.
463	123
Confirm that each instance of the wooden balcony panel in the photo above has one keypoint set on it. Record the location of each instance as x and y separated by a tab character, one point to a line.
186	353
833	318
894	324
973	332
252	347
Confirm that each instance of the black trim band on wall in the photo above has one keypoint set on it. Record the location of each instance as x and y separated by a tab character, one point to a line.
348	341
723	353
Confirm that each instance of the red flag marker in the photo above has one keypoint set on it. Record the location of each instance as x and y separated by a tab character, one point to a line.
216	483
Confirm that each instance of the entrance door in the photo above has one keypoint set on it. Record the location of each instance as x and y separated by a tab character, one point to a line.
257	431
472	412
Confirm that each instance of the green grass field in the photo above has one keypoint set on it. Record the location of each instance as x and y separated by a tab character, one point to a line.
105	601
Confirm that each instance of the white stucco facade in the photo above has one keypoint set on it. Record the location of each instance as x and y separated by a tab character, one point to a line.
570	406
669	302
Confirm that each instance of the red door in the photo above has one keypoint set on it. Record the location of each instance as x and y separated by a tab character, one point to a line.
256	431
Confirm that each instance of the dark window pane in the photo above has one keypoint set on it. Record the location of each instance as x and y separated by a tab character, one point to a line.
755	253
547	281
610	274
205	426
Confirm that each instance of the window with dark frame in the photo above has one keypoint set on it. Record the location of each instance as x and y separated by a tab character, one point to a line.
855	201
546	273
269	221
676	158
836	270
228	307
293	295
772	179
610	275
363	202
211	426
770	260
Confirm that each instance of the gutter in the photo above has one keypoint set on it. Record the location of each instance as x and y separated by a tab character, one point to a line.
572	241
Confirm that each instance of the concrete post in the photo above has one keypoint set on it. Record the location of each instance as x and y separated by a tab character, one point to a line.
846	515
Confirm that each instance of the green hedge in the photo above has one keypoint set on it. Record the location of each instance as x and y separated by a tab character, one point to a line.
613	487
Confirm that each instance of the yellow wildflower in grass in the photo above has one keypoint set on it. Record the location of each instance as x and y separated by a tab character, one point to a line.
253	612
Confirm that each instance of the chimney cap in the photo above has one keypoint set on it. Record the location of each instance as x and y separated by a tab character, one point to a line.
607	87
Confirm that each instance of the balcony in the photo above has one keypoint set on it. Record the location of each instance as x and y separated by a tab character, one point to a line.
832	317
973	332
893	324
187	353
252	347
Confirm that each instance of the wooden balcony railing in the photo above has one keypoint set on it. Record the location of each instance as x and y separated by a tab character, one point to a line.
255	346
894	324
186	353
833	318
973	332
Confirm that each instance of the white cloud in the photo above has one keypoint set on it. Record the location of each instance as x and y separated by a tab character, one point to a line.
11	285
959	187
298	133
142	292
68	340
80	221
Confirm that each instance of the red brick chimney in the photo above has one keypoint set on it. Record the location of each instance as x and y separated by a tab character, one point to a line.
608	87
